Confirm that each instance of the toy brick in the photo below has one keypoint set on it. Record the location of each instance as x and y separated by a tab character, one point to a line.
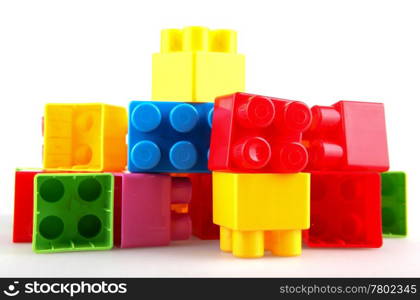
143	215
196	64
345	210
258	134
348	136
85	137
394	204
24	205
73	212
257	211
169	137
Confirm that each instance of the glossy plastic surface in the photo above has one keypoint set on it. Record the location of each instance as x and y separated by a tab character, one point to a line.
85	137
24	206
261	211
197	64
258	134
345	210
347	136
394	204
143	214
169	136
73	212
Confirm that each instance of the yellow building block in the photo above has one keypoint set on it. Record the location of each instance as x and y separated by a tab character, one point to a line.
197	64
258	212
85	137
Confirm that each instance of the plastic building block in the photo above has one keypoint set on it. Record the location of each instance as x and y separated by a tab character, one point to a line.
345	210
169	137
24	205
394	204
347	136
85	137
258	134
261	211
196	64
73	212
143	214
201	208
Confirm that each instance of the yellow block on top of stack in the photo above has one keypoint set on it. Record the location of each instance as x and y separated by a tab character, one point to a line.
85	137
197	64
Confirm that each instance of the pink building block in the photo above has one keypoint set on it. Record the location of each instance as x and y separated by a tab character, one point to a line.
142	209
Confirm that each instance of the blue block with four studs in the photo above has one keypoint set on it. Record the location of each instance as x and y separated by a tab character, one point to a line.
172	137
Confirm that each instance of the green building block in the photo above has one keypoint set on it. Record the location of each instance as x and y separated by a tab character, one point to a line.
394	204
73	212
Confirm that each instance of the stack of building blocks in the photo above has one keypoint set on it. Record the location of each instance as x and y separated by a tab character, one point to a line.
196	64
347	146
207	159
261	201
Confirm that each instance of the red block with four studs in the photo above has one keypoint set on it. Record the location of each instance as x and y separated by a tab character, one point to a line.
258	134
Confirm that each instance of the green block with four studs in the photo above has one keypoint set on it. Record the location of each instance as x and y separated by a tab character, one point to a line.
394	204
73	212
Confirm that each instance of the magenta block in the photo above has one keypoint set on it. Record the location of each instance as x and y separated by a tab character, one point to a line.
142	209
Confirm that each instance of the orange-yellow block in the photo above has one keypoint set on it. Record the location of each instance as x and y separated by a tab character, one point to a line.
260	212
85	137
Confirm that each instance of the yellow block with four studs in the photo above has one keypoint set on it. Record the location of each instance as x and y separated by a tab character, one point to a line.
196	64
258	212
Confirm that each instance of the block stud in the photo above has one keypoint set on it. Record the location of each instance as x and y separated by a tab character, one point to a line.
252	153
324	118
195	38
183	117
297	116
145	155
292	157
256	112
248	244
223	40
170	40
325	155
146	117
183	155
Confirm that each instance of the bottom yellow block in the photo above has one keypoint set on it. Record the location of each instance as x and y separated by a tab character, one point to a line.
258	212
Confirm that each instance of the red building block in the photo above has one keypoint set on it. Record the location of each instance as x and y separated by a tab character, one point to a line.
347	136
345	210
24	206
202	207
258	134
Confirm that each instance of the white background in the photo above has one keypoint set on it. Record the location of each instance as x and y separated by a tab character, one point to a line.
315	51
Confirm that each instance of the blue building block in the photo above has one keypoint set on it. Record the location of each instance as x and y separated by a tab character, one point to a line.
171	137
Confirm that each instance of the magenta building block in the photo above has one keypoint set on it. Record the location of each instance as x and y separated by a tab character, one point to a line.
142	208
